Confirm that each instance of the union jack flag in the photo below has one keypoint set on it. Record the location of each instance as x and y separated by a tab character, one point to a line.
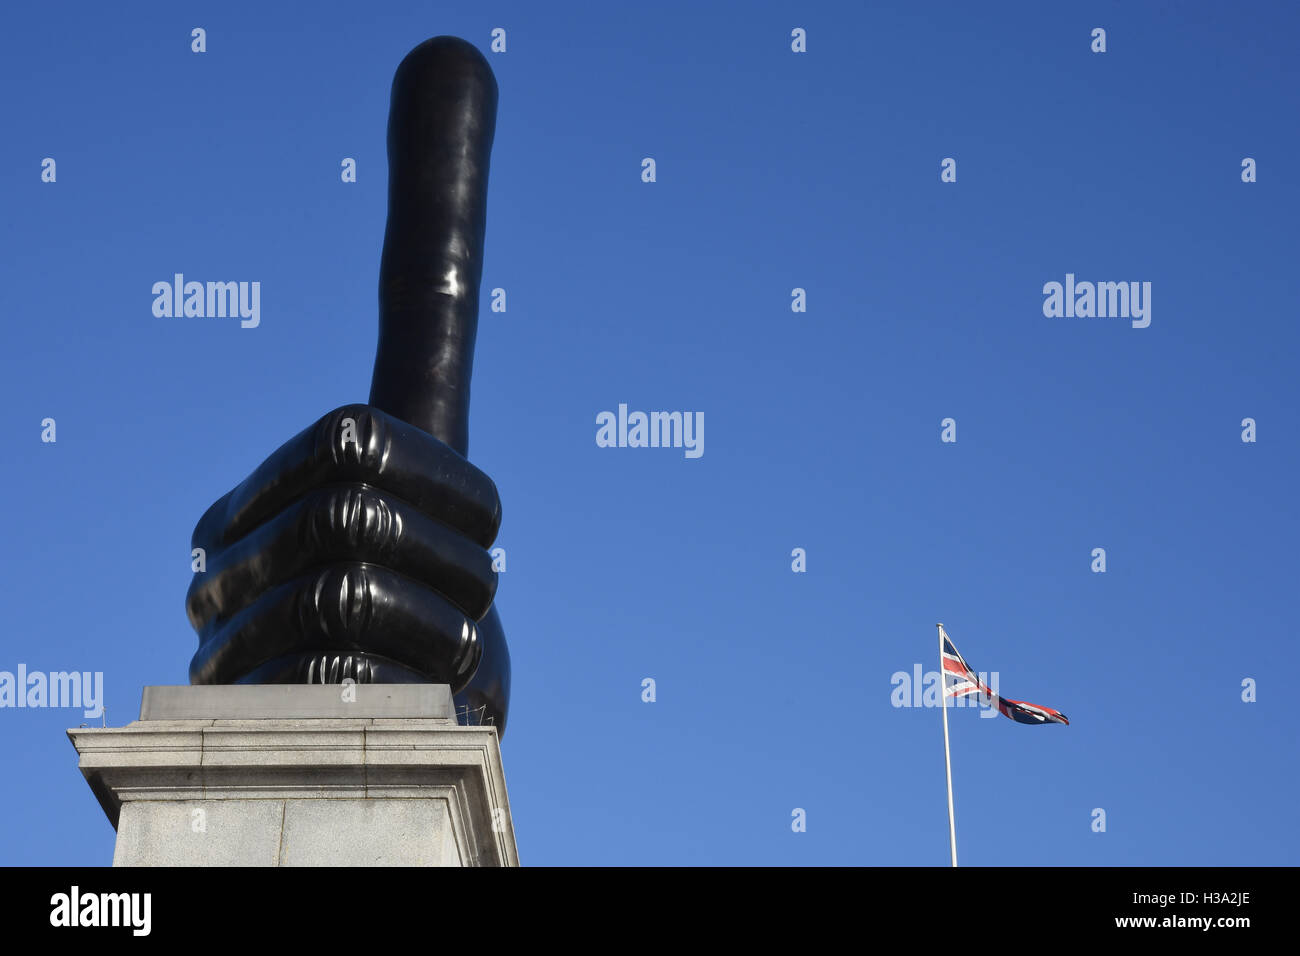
959	681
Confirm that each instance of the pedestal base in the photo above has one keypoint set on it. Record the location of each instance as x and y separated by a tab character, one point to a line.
300	775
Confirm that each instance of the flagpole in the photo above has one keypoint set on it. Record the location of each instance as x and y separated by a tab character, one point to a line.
947	757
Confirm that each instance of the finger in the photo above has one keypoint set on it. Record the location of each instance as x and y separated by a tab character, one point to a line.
487	696
375	449
345	607
352	522
441	121
332	667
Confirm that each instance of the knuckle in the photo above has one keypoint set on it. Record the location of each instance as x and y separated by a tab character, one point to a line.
468	655
350	520
354	438
338	603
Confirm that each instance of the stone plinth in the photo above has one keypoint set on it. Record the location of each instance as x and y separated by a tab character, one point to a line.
300	775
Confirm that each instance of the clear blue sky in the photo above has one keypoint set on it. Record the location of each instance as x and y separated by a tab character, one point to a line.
775	170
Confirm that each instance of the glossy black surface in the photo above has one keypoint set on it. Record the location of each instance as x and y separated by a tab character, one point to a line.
440	126
359	549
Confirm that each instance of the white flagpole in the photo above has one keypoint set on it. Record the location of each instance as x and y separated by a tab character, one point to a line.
947	758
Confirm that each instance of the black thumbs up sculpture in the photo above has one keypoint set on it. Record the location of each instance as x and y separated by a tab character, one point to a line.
359	549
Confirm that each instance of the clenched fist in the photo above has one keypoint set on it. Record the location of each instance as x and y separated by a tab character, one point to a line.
359	549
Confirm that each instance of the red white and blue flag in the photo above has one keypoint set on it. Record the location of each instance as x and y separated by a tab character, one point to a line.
960	681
